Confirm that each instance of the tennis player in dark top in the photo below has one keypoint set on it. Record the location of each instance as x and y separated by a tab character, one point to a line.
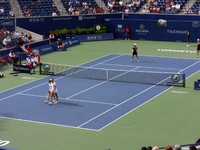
188	38
198	47
134	52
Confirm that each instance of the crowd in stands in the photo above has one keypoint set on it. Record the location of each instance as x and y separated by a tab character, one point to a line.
75	7
38	8
32	58
162	6
131	6
9	39
195	9
5	9
169	147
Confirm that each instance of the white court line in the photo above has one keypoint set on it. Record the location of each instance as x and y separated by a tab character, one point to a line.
172	57
55	79
79	126
47	76
98	84
76	100
45	123
143	104
117	105
140	66
128	100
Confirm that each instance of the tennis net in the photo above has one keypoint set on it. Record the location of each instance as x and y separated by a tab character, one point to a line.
129	76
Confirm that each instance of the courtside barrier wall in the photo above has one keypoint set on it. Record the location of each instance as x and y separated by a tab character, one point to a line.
43	47
145	27
95	37
148	29
42	25
142	26
7	23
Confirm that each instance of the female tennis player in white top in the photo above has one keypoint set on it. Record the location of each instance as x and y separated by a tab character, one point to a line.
53	91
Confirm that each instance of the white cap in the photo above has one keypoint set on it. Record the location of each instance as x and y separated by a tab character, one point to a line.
197	39
134	44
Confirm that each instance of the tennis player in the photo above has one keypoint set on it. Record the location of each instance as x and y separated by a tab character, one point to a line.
198	47
53	91
188	38
49	92
134	52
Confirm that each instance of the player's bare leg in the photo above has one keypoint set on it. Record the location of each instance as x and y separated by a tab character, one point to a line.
50	98
56	98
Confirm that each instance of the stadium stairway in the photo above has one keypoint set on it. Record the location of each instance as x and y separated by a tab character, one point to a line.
16	10
36	37
60	7
187	6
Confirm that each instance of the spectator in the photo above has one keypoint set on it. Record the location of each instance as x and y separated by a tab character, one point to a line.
13	57
155	148
192	147
71	10
21	44
16	34
25	38
28	48
177	147
54	14
3	61
144	148
1	10
30	38
11	13
54	5
6	41
51	38
60	44
168	147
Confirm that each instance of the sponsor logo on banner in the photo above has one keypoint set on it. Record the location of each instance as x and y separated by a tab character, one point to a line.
61	18
22	68
37	19
101	28
142	30
46	67
34	20
86	17
94	37
46	49
175	78
195	24
7	22
89	17
176	50
176	31
119	28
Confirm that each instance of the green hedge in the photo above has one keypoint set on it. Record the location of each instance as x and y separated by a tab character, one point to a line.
77	30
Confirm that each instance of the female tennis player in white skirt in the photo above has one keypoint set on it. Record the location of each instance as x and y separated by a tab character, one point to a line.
53	91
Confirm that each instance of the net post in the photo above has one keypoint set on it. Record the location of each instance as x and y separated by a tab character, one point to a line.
183	80
40	68
107	74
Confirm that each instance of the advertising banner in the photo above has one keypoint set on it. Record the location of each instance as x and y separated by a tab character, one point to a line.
158	30
95	37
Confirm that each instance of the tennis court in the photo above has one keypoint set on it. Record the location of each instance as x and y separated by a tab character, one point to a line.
93	104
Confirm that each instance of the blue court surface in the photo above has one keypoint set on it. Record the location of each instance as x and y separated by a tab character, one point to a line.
91	104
